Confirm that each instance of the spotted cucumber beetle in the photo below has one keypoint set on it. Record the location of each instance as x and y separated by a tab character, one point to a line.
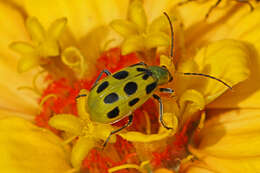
119	94
218	2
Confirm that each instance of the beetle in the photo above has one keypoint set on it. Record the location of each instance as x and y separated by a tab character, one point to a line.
218	2
119	94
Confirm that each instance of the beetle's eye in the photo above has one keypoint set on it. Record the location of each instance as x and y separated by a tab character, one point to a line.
163	66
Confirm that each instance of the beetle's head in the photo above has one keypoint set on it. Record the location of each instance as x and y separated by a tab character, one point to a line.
162	74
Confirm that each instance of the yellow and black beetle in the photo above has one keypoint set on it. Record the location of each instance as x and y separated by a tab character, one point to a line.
119	94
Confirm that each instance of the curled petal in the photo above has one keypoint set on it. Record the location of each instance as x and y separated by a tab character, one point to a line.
73	58
80	150
35	29
157	39
137	14
28	148
102	131
169	119
57	28
22	47
67	122
226	60
124	28
190	102
140	137
26	63
132	44
167	62
81	105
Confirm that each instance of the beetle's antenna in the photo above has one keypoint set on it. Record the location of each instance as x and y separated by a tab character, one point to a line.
193	74
212	77
172	34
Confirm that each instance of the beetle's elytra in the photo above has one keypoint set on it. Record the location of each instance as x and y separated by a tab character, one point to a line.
119	94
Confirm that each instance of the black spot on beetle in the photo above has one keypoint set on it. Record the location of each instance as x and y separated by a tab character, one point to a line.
121	75
145	76
133	102
149	88
111	98
113	113
130	88
141	69
102	86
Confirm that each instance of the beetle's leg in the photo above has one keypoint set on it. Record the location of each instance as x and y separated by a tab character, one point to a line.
82	95
140	63
161	112
99	76
130	120
248	3
211	8
166	90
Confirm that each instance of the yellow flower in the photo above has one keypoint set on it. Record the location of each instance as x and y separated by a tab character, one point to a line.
70	41
45	44
88	133
138	35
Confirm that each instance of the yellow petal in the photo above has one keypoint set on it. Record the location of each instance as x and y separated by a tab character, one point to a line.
49	48
137	14
157	39
155	8
163	170
80	150
35	29
56	28
28	148
167	62
140	137
22	47
246	94
124	27
190	102
67	122
230	139
160	24
11	98
24	102
216	60
233	134
11	113
73	58
83	16
27	63
132	44
81	105
237	165
171	121
102	131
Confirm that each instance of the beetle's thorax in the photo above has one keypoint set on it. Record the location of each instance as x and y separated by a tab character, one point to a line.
161	74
